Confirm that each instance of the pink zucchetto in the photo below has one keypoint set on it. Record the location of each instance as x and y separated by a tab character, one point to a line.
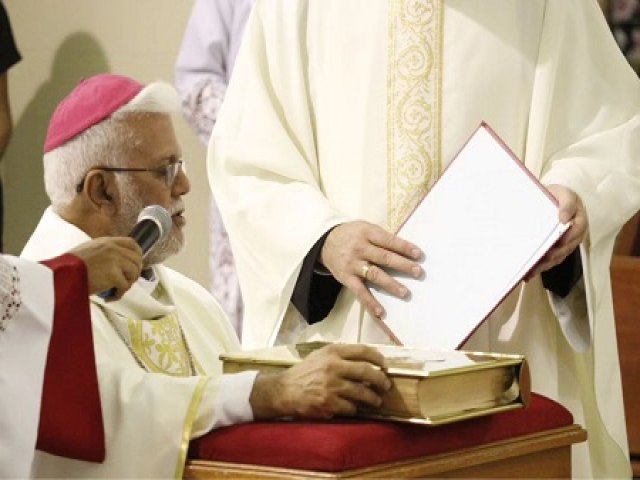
93	100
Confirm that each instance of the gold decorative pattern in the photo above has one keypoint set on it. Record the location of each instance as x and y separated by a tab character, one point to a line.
157	344
160	346
413	103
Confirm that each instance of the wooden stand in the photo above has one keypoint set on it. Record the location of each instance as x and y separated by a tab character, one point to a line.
542	455
625	279
625	285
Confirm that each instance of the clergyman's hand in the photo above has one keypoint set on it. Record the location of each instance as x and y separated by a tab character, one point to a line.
333	380
571	210
356	252
111	262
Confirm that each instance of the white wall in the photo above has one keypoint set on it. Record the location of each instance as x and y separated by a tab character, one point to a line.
62	41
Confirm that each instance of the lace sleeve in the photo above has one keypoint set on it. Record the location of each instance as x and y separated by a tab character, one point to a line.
201	105
9	292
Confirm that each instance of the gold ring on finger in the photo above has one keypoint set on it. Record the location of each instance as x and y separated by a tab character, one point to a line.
365	270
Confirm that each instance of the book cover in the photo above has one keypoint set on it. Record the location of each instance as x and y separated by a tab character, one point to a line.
483	226
429	387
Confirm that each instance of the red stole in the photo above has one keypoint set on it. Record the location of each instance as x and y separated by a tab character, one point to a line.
71	414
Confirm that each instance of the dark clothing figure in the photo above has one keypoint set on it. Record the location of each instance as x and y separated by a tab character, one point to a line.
9	56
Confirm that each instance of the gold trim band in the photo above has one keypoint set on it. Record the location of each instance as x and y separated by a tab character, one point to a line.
188	424
414	84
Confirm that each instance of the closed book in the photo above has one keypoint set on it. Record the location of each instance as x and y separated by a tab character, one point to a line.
428	386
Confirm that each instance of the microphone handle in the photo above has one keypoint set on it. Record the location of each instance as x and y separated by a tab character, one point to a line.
107	294
145	233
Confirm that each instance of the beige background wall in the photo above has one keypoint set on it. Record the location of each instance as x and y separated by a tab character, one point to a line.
62	41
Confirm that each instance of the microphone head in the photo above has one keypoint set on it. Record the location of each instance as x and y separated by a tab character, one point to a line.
160	216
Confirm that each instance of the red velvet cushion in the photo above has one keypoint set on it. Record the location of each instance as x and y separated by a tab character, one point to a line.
346	444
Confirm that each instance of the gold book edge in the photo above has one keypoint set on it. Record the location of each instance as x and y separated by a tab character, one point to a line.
261	357
435	420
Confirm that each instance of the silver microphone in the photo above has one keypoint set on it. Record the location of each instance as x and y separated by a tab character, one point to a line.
153	226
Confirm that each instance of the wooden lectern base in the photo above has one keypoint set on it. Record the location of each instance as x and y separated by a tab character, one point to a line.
541	455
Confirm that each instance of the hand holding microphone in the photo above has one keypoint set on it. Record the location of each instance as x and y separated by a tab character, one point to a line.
111	262
154	225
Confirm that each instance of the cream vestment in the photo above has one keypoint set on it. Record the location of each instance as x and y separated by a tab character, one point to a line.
350	109
158	369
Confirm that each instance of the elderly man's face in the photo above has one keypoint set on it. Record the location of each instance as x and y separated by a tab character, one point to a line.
156	146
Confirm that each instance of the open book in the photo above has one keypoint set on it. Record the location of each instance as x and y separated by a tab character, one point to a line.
429	387
483	226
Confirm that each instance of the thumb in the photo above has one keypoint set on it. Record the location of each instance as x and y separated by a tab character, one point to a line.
568	209
567	202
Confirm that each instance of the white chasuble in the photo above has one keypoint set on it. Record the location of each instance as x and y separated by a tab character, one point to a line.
350	109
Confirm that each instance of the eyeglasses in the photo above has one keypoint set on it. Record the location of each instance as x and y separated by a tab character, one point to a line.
169	172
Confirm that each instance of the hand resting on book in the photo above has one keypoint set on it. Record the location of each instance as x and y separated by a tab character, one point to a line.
334	380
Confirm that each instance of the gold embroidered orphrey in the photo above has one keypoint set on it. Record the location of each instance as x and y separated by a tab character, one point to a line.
161	346
158	345
413	104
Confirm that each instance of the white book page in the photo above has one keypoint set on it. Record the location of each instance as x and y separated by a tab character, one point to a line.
482	227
